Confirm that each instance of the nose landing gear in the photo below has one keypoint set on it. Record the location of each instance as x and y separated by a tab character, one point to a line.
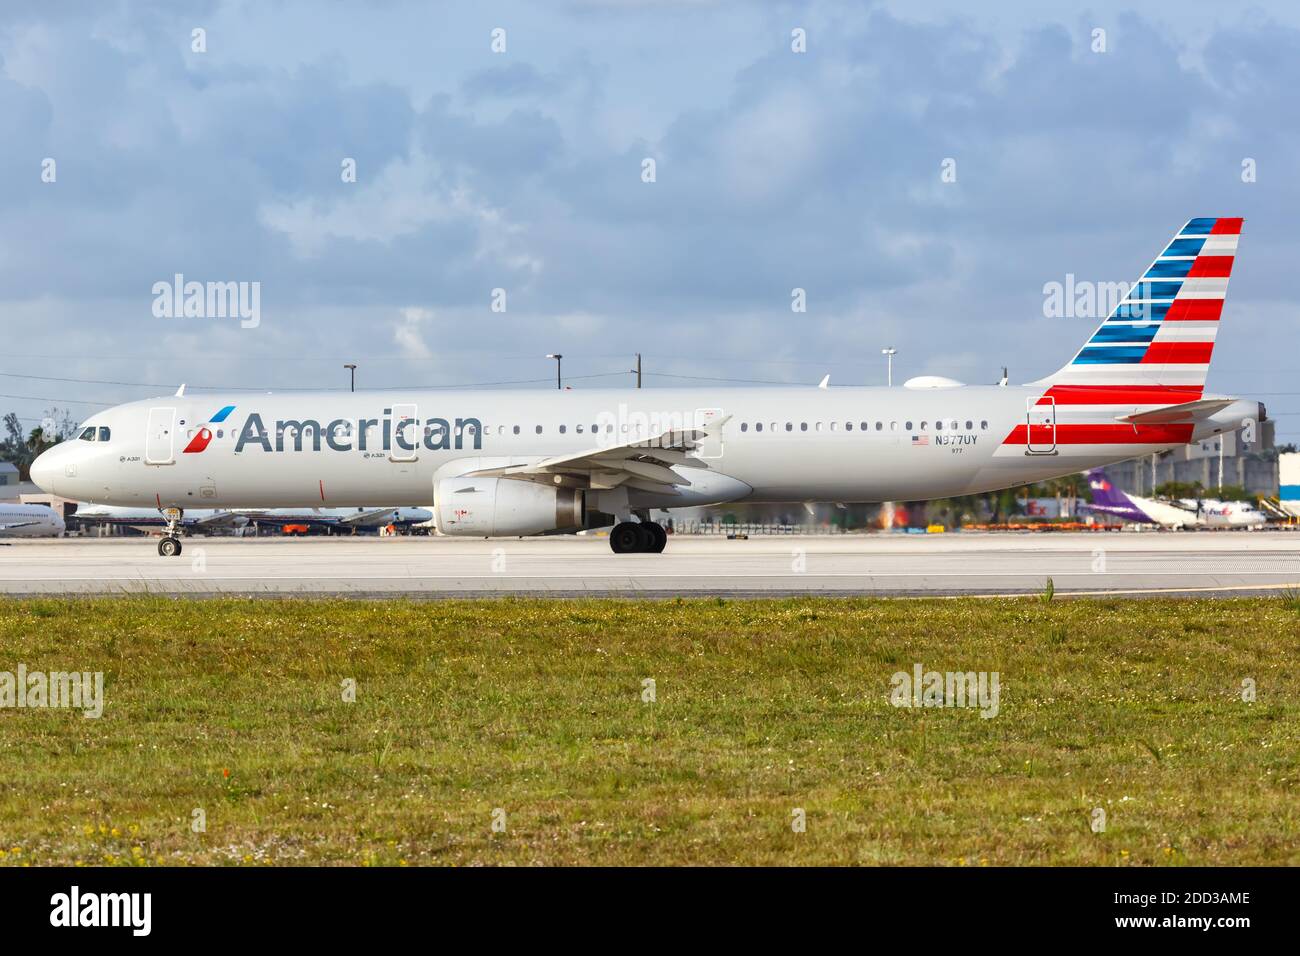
169	545
633	537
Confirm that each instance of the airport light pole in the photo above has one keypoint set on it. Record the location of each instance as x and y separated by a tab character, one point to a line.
637	371
889	354
559	382
353	369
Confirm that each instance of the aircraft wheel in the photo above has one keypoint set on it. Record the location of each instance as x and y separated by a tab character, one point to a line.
658	537
169	547
628	538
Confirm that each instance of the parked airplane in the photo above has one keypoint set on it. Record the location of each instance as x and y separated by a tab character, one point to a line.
29	521
1187	513
209	519
1213	513
512	463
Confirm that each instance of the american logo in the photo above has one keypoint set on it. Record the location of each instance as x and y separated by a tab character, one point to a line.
200	440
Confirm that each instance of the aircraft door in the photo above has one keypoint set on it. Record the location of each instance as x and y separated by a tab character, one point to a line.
406	434
160	437
1040	421
711	447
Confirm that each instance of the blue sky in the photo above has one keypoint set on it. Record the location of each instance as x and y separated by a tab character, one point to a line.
522	170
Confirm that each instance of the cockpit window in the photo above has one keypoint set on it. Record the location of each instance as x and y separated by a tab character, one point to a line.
88	434
104	433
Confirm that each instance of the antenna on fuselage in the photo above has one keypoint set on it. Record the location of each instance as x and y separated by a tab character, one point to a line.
180	392
1003	381
826	380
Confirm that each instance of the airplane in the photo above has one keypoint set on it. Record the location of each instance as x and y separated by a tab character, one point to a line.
1213	513
29	521
519	463
209	519
1109	500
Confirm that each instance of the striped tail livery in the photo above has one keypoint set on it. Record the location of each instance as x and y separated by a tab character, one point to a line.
1137	385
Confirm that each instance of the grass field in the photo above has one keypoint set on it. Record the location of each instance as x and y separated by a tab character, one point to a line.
236	708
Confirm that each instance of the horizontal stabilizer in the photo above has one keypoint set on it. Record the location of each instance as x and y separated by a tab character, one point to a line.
1171	414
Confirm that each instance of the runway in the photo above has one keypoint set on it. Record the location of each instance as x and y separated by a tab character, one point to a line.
1204	563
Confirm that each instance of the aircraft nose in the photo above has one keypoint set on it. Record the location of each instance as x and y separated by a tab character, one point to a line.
44	470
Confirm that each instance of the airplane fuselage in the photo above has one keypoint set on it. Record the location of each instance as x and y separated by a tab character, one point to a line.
328	449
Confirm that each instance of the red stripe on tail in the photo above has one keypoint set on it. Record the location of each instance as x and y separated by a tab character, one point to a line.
1211	267
1120	395
1195	310
1119	433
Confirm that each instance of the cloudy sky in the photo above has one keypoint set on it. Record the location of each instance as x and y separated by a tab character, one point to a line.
522	170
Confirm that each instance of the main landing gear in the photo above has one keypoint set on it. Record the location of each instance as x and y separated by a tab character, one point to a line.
638	537
169	545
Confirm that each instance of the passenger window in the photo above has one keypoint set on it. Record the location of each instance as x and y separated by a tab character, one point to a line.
848	426
578	429
758	426
984	424
538	429
908	426
893	426
744	426
803	426
938	426
789	426
562	429
922	426
516	429
880	426
970	425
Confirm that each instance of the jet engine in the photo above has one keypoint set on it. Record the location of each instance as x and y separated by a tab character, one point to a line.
505	507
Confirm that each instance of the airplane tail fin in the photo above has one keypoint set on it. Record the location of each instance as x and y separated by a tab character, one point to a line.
1103	492
1156	344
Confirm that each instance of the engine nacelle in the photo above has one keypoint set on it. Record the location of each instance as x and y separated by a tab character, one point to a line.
505	507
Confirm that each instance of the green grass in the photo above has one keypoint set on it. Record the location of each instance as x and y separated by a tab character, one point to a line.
534	706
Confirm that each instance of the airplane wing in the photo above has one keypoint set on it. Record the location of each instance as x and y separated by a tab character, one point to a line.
15	525
645	464
277	520
1186	412
366	519
219	519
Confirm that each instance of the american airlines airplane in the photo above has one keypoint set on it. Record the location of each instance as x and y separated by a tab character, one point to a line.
29	521
514	463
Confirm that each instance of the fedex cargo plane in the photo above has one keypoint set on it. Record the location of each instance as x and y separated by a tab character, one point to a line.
511	463
1187	513
1111	501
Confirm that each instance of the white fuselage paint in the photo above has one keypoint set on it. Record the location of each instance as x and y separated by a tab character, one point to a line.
825	462
29	521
